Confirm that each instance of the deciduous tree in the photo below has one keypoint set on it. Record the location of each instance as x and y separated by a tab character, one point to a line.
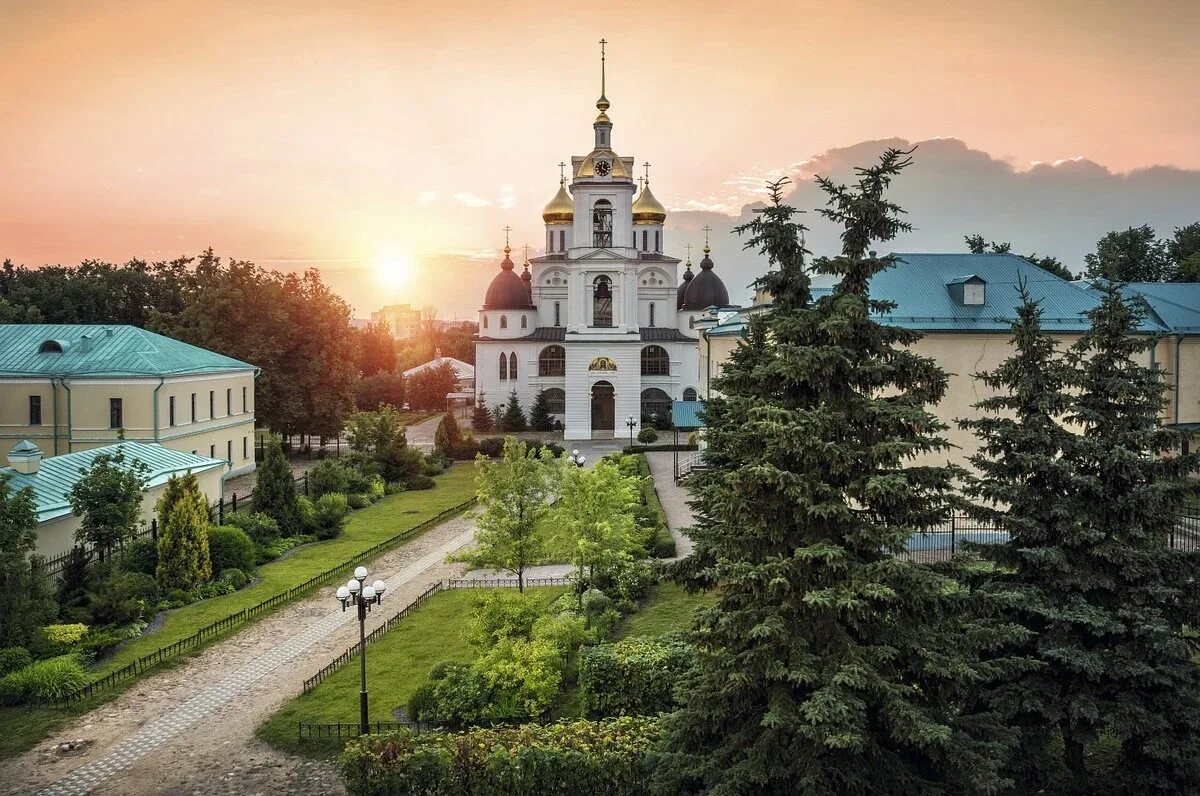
25	589
108	499
1131	255
595	513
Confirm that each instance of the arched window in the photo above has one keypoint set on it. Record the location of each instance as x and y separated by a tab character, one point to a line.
552	361
602	224
524	322
651	313
656	408
503	366
602	301
556	401
503	321
689	394
655	361
512	366
557	318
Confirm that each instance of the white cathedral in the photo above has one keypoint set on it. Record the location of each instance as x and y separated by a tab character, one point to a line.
601	323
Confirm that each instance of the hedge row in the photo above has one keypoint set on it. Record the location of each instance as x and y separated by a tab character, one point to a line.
604	758
636	676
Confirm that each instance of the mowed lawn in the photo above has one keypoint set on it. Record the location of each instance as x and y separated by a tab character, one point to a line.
669	609
397	664
364	529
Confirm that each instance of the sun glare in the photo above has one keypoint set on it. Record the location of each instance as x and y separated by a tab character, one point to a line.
394	271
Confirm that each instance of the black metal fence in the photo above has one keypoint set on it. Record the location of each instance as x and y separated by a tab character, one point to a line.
507	583
246	614
378	632
340	731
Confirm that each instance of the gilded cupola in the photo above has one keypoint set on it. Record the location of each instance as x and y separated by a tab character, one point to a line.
647	209
560	209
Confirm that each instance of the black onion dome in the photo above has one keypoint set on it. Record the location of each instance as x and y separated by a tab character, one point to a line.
507	290
687	277
706	290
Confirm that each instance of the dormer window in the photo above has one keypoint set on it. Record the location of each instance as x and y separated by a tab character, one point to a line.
51	347
968	291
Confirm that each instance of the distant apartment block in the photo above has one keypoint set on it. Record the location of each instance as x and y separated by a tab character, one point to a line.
403	321
68	388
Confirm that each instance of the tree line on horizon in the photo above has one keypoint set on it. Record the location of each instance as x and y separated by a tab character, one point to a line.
316	367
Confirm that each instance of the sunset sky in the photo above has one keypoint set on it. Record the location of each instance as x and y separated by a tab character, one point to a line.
346	134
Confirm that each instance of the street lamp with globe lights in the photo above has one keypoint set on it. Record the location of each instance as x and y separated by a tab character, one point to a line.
631	423
358	592
577	458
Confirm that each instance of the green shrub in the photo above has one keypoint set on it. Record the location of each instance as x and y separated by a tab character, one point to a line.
283	545
328	476
376	489
64	635
465	450
358	501
13	658
524	678
234	577
98	643
262	529
329	515
140	556
124	598
218	588
492	447
306	515
44	681
636	676
418	481
647	436
602	758
497	614
230	548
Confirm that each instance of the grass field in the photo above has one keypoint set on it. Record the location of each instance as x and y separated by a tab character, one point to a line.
24	727
670	608
397	664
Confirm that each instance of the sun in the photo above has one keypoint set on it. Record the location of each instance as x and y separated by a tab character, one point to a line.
394	271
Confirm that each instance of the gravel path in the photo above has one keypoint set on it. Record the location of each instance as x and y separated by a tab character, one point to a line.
190	729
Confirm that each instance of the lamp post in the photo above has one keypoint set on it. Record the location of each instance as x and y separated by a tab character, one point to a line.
631	423
577	458
359	593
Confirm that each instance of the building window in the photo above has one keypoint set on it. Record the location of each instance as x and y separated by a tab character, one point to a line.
35	410
657	240
484	321
228	401
556	401
524	322
503	321
562	240
557	317
245	447
171	410
552	361
549	240
512	366
651	313
212	404
229	451
602	302
656	407
645	239
193	407
602	224
212	451
689	394
245	405
655	361
503	367
116	414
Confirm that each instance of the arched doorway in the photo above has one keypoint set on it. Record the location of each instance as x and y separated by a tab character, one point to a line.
603	407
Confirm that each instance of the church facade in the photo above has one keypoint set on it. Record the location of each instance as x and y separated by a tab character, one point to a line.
601	322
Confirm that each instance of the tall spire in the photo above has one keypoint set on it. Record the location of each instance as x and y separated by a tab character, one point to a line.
707	229
602	103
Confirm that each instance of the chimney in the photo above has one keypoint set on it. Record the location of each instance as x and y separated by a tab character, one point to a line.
25	457
85	343
437	353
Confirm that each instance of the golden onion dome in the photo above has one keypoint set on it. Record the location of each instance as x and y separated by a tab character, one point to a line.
587	167
560	209
647	209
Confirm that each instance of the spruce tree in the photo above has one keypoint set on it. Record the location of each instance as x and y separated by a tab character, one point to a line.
539	414
1138	591
828	666
481	419
183	561
275	489
1026	485
514	417
448	435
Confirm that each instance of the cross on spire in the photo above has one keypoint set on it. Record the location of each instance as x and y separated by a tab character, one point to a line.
689	251
507	229
647	165
562	175
602	45
707	229
526	254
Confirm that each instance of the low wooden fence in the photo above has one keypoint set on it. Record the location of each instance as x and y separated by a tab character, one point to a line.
246	614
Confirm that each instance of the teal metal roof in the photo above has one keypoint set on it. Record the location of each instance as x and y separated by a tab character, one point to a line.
1175	304
39	349
56	475
686	414
918	285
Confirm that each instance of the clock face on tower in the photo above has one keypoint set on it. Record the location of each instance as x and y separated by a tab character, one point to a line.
602	168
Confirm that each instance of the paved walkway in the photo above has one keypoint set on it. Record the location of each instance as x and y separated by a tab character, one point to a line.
190	728
674	500
420	435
